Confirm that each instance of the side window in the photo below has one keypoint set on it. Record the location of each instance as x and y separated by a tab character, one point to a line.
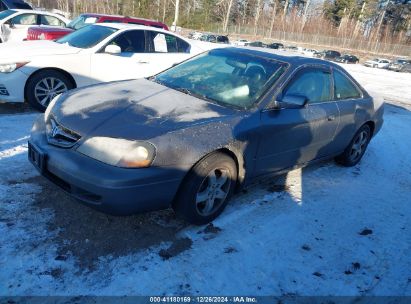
25	19
183	47
163	43
159	43
50	20
314	84
344	88
130	41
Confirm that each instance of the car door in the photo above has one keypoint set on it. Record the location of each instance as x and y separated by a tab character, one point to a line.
164	51
16	28
347	96
293	134
130	63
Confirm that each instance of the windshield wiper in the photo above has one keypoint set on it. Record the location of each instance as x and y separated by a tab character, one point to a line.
154	79
197	95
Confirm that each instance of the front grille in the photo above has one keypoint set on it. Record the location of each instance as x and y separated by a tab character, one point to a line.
60	136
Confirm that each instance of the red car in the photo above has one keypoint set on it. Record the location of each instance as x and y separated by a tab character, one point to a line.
52	33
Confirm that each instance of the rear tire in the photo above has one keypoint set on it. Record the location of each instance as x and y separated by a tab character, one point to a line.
44	86
356	149
206	189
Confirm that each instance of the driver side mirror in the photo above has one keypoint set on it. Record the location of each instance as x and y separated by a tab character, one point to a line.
11	24
112	49
291	102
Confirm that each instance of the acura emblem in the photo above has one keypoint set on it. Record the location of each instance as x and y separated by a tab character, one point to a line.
55	129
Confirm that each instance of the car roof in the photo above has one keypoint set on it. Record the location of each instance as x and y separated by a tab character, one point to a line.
119	16
291	57
35	12
125	26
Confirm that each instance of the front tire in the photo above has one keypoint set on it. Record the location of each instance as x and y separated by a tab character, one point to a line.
206	189
44	86
356	149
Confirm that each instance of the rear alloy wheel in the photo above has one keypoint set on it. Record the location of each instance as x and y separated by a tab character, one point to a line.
206	189
44	86
356	149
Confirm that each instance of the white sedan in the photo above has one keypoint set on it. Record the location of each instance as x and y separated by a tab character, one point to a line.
37	71
380	63
241	42
15	23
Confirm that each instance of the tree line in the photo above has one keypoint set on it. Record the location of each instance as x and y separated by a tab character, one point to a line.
387	21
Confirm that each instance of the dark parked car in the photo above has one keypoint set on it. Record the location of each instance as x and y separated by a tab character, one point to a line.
406	68
330	55
256	44
193	134
291	48
13	4
275	45
215	38
400	65
347	58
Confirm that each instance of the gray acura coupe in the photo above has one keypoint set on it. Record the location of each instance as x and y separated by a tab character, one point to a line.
193	134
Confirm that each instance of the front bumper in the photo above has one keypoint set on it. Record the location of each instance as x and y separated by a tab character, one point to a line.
12	86
110	189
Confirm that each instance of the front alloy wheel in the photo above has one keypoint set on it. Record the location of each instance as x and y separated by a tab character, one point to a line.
213	191
206	189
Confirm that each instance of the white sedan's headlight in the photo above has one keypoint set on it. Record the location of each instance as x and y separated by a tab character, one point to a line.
11	67
119	152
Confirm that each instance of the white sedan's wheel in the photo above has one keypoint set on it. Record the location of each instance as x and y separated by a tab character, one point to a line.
44	86
47	89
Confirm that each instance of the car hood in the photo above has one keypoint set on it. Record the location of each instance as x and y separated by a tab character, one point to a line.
25	50
133	109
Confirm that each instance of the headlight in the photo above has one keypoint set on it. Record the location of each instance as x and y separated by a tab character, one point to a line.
11	67
119	152
50	106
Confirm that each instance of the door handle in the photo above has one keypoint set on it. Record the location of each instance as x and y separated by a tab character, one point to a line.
143	61
331	118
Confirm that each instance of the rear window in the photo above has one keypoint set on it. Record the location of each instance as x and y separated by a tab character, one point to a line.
82	21
164	43
344	88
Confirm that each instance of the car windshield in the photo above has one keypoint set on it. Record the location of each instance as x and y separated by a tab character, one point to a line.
81	21
225	77
5	14
88	36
